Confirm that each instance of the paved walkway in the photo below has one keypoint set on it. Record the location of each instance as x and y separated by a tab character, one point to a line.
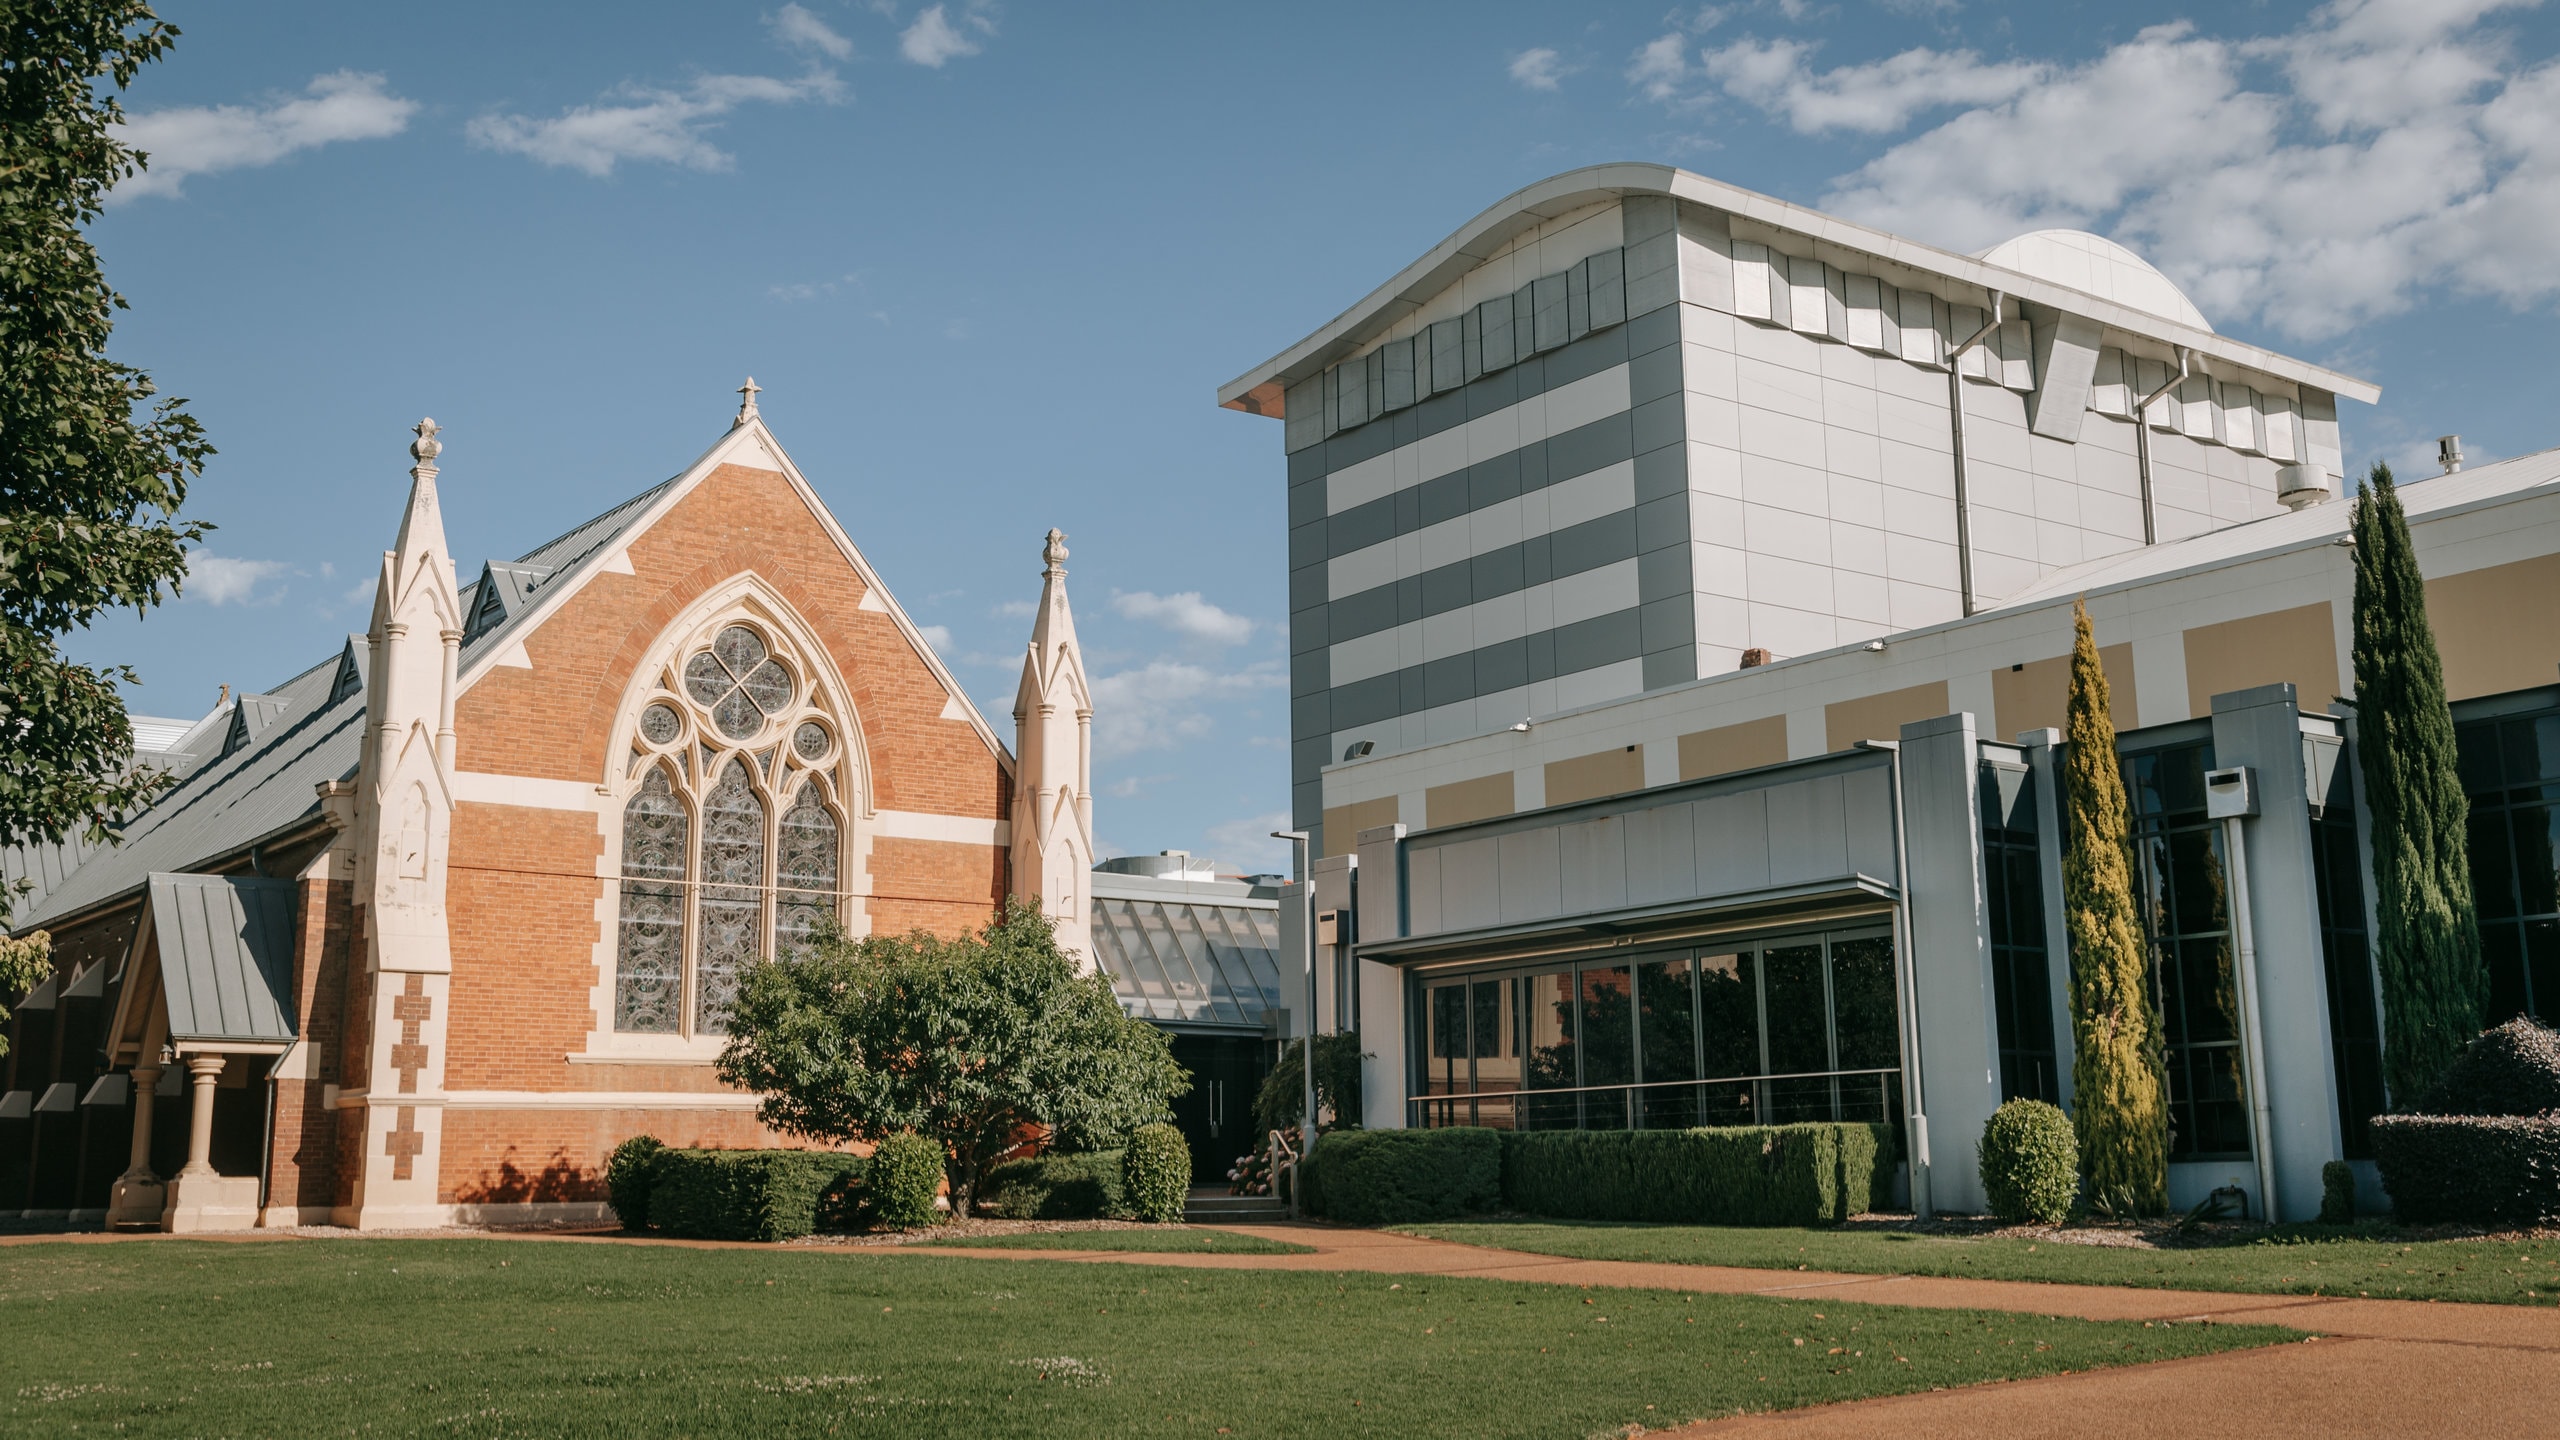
2379	1367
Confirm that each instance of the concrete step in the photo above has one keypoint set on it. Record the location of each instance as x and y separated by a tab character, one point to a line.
1233	1209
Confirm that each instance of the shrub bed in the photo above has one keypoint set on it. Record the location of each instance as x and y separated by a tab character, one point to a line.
1395	1177
1087	1186
628	1176
905	1175
750	1194
2483	1168
1747	1175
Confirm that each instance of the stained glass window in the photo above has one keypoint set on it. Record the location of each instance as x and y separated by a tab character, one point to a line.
649	976
732	901
807	874
697	864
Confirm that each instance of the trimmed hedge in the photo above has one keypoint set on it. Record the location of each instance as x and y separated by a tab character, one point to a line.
2030	1163
750	1194
905	1175
2480	1168
628	1176
1394	1177
1155	1173
1817	1174
1085	1186
2513	1069
2337	1193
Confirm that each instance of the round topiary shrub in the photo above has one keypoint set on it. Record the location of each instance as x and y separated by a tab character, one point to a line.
1156	1173
2030	1163
904	1176
628	1175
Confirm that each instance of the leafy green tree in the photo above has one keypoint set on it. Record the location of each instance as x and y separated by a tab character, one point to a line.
982	1043
89	486
2426	931
2119	1070
1281	1101
24	962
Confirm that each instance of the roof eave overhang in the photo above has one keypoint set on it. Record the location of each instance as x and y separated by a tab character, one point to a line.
1847	894
1261	390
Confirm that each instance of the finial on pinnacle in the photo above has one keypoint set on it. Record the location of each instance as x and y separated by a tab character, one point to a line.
747	400
1056	552
426	447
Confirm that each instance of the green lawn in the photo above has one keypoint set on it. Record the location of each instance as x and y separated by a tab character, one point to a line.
1154	1239
393	1337
2508	1272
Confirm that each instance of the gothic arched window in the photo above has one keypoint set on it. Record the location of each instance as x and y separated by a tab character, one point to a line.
730	849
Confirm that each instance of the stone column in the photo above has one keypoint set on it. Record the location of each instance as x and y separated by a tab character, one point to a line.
138	1197
204	1070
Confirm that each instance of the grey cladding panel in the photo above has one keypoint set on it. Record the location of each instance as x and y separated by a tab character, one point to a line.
1808	834
1869	797
1662	854
1422	889
1530	876
1470	885
1593	860
1733	842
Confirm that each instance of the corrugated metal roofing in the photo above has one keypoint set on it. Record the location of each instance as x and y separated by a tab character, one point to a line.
226	956
307	730
1188	952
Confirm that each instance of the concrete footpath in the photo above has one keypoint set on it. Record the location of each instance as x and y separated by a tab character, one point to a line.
2379	1367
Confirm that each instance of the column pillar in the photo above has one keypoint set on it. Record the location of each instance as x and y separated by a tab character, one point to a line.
138	1196
205	1071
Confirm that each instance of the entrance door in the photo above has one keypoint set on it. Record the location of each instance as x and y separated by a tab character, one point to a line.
1216	1117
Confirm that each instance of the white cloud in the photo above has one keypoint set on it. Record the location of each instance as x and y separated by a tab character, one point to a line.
205	139
796	26
1659	69
937	636
1184	614
643	124
223	580
1538	69
1246	843
935	39
1159	705
2311	180
1014	610
1873	98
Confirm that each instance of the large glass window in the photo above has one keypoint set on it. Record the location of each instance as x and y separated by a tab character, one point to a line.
2511	769
2180	892
731	846
2021	973
1795	1028
2355	1031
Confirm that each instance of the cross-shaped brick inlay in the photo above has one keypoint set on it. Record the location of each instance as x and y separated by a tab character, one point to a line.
404	1143
410	1007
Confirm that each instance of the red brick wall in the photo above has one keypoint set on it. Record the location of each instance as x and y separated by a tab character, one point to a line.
522	884
302	1155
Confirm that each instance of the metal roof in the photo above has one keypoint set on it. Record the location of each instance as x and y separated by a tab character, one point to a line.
1189	952
226	956
1261	390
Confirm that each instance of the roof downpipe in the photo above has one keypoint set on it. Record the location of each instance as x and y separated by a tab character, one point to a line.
2142	443
1955	422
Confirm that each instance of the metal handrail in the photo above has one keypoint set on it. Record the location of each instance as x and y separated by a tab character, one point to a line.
1284	1160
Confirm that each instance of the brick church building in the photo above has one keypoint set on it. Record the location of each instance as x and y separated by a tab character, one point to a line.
418	936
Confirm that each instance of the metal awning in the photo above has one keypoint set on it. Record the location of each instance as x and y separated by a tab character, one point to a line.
1844	896
225	944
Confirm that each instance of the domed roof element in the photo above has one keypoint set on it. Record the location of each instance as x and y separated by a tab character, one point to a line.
2099	266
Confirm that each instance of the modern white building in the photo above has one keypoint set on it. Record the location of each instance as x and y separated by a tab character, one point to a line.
1681	587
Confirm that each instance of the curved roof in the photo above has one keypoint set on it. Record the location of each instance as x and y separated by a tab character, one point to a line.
2096	265
1261	389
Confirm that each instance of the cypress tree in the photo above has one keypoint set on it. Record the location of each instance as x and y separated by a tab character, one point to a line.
2426	931
2119	1072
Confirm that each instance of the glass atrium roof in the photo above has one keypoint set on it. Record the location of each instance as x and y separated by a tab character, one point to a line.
1189	959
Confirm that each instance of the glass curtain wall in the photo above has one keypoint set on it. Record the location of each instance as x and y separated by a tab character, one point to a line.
2355	1026
1794	1028
2511	768
2021	973
2180	890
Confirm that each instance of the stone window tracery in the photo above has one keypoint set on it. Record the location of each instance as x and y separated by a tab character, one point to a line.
732	833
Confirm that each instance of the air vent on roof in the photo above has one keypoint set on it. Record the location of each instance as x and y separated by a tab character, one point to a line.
489	613
350	679
251	716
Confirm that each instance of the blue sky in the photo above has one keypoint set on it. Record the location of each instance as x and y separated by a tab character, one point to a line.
990	262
